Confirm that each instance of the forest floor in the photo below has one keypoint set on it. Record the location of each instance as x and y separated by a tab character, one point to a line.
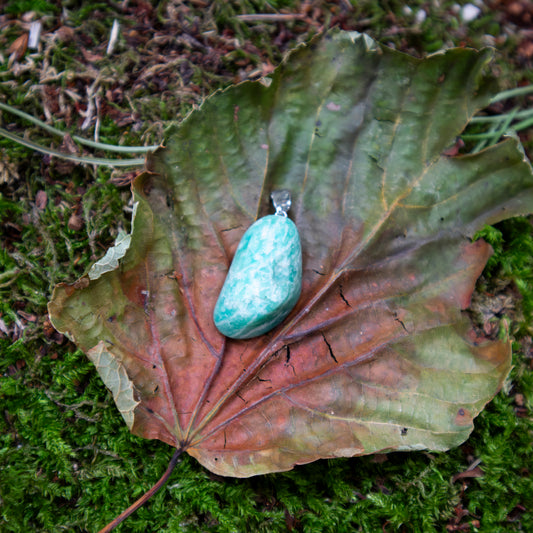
67	461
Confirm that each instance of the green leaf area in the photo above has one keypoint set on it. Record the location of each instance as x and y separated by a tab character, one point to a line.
377	355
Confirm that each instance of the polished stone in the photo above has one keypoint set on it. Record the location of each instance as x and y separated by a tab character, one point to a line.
264	281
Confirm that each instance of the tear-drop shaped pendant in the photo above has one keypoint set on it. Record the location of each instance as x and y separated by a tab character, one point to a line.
265	277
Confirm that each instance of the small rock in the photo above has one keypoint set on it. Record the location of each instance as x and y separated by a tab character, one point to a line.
75	222
470	12
420	16
519	399
264	281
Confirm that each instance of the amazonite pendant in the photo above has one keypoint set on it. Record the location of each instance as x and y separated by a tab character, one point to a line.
265	277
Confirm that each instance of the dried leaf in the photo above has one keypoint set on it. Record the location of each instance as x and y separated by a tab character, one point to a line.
377	354
41	199
8	170
469	473
18	48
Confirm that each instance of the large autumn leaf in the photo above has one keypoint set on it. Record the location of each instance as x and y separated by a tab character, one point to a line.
377	354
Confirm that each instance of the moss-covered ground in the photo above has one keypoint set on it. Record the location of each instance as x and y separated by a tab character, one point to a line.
67	461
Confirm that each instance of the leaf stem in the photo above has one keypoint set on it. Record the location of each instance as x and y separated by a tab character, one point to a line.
146	496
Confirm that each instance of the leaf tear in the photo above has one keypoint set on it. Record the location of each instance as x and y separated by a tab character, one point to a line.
331	354
343	297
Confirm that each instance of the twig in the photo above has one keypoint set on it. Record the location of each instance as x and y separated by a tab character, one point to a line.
145	497
35	34
91	91
113	38
98	122
270	17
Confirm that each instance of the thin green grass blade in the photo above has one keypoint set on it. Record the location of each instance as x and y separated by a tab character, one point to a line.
496	131
69	157
524	124
525	113
77	138
512	93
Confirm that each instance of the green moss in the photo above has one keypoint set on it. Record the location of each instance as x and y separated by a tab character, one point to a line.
19	7
512	262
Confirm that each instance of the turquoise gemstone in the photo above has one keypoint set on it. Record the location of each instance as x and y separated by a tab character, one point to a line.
264	280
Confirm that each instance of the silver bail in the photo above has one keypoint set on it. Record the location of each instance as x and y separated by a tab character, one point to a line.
282	201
